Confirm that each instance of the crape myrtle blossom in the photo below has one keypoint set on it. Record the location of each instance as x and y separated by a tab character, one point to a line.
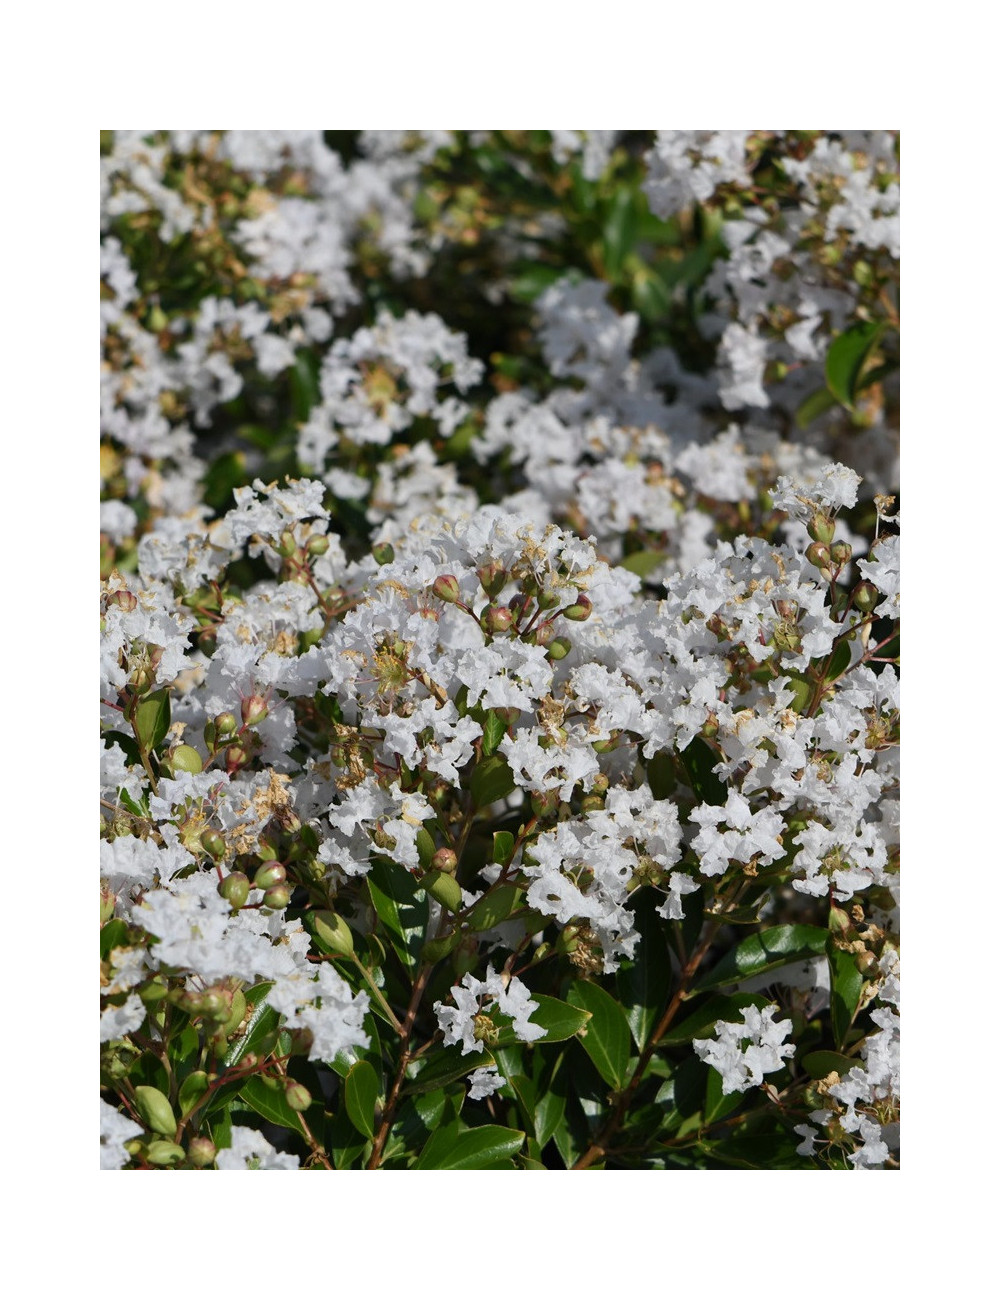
744	1053
468	1021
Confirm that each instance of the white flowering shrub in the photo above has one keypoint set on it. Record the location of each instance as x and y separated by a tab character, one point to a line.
499	650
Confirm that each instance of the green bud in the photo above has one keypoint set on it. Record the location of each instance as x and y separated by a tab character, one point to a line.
544	805
606	746
383	553
225	723
568	940
591	803
155	1110
866	596
560	648
108	900
236	756
317	545
496	619
235	889
213	843
237	1011
580	611
301	1041
253	710
548	599
821	529
164	1153
185	759
153	992
277	897
600	783
445	860
493	578
446	588
332	931
285	545
840	553
444	888
191	1091
298	1096
216	1005
819	554
201	1152
272	873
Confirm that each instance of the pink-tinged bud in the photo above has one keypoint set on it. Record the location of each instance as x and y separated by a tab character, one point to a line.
236	756
277	897
496	620
271	874
819	554
445	860
544	634
383	553
317	544
446	588
124	600
298	1096
866	596
821	529
253	710
493	577
201	1152
580	611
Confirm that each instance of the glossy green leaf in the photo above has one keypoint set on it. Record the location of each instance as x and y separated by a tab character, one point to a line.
360	1095
767	950
718	1104
839	660
819	1064
494	907
191	1091
491	780
846	984
494	730
644	981
114	934
263	1020
401	906
503	847
267	1098
699	760
607	1039
444	1067
152	719
812	407
846	357
559	1020
477	1148
701	1023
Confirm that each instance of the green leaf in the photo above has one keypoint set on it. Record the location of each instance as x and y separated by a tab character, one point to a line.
267	1098
717	1102
491	780
477	1148
550	1106
191	1091
494	730
643	563
699	760
263	1021
812	407
152	719
401	906
650	294
846	984
765	951
643	983
114	934
840	660
494	907
227	472
846	357
445	1067
607	1039
819	1064
360	1096
503	847
559	1020
619	232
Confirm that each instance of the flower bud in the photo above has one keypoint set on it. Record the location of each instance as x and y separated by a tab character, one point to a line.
225	723
213	843
445	860
560	648
271	873
236	756
125	600
840	553
298	1096
544	805
301	1041
277	897
444	888
819	554
548	599
185	759
317	544
201	1152
821	529
600	783
579	611
235	889
153	992
285	545
446	588
155	1110
207	641
238	1009
492	577
383	553
253	710
496	619
332	931
163	1153
866	596
591	803
216	1005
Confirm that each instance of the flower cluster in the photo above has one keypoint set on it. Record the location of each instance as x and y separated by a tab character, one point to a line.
485	688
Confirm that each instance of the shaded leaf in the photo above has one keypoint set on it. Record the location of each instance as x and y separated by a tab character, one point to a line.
765	951
477	1148
491	780
607	1039
360	1096
846	357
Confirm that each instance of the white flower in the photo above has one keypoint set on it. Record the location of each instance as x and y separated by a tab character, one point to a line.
744	1053
116	1130
249	1150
